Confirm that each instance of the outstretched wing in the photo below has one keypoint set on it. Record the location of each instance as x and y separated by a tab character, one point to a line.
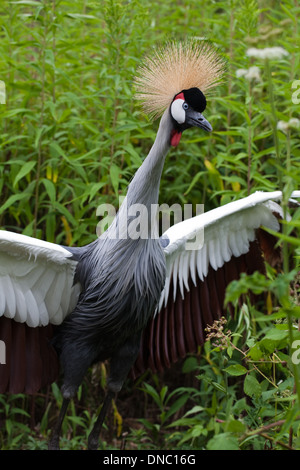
204	254
37	291
36	280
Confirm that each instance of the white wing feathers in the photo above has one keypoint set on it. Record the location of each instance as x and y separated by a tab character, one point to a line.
214	237
36	280
36	277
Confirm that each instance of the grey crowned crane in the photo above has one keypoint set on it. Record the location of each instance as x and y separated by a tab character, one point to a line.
138	302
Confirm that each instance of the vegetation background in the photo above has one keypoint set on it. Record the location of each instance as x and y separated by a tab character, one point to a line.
71	138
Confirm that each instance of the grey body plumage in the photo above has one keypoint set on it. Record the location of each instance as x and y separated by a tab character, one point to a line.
114	306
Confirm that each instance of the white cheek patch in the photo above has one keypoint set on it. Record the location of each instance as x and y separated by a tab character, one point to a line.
177	111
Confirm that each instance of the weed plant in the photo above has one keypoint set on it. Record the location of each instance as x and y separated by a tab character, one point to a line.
71	139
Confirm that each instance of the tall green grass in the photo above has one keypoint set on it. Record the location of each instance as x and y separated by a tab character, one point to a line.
71	139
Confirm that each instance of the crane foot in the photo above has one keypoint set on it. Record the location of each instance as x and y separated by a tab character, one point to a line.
53	444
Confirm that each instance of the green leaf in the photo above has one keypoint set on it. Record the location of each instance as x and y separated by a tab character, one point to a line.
56	148
236	426
194	181
255	353
50	188
218	386
11	200
252	387
50	227
94	189
223	441
163	393
26	168
82	16
179	403
276	334
136	159
255	282
114	176
64	211
195	409
229	351
189	365
236	369
153	393
13	112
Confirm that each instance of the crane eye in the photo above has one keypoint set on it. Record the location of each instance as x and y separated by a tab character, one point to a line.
185	106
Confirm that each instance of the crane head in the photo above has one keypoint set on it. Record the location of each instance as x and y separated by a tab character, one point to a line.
192	66
186	111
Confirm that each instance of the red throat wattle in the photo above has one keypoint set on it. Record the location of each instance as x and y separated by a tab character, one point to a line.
176	135
175	138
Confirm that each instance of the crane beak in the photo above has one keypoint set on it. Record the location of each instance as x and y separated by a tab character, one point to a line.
192	119
196	119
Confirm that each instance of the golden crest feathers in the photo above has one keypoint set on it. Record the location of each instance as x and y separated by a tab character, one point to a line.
176	67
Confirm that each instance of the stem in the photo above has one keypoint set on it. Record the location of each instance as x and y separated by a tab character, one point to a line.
231	36
274	123
249	140
39	160
285	200
53	49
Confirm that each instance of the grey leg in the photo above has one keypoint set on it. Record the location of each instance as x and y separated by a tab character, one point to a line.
93	440
120	366
53	443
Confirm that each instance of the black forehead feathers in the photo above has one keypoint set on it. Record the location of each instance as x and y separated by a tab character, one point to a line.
195	98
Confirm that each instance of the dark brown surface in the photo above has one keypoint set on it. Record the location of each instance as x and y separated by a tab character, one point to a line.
31	361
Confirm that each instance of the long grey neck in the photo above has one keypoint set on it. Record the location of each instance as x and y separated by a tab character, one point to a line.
144	187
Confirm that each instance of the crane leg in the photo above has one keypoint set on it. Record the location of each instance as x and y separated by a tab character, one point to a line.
93	440
53	443
120	365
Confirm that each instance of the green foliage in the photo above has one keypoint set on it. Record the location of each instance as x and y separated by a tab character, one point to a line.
73	136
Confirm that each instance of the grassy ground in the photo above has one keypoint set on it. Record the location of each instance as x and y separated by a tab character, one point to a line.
73	136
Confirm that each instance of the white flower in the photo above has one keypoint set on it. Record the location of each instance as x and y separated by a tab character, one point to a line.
294	123
240	73
267	53
285	126
253	73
